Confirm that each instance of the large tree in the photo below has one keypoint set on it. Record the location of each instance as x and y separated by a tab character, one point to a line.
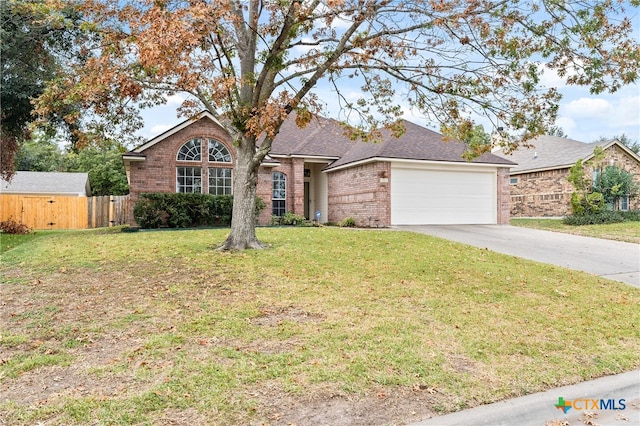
26	65
253	62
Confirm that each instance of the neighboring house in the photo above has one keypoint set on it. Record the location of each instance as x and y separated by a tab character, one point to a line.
539	185
416	179
46	200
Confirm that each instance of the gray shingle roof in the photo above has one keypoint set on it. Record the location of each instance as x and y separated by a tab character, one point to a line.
325	138
550	152
417	143
47	183
322	137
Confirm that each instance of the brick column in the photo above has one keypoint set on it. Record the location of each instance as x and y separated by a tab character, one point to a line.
504	196
296	186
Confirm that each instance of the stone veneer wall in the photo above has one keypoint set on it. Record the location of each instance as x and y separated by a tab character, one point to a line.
362	193
548	193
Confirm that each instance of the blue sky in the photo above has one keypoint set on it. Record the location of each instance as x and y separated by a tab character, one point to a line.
582	116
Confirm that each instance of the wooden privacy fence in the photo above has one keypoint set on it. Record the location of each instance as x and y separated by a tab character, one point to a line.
108	210
64	212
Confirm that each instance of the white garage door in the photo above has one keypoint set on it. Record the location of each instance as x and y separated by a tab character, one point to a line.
442	196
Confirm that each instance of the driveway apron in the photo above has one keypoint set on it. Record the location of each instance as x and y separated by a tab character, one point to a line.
614	260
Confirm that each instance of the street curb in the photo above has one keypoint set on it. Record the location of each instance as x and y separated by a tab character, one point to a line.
539	409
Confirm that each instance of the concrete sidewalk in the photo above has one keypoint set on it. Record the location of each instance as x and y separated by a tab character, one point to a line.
615	260
539	409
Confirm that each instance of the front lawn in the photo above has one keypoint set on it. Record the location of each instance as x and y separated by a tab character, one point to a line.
329	326
623	231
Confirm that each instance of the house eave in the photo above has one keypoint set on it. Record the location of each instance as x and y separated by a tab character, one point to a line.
540	169
308	158
134	158
413	161
270	164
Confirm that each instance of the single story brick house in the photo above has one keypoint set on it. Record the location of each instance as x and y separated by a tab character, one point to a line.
539	185
418	178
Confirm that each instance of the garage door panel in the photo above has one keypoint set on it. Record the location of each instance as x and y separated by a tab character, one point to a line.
424	196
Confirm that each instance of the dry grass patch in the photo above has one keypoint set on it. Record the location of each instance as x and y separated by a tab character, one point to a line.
623	231
373	326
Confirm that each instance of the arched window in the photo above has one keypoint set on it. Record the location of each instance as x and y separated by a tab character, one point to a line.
218	152
191	151
279	195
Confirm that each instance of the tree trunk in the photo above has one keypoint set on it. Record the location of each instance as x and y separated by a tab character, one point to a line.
243	221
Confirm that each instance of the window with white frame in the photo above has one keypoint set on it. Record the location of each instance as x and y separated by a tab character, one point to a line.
279	195
624	203
190	151
218	153
220	181
188	179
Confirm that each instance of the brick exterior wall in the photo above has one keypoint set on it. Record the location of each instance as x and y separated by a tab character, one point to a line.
504	196
362	193
548	193
293	168
158	172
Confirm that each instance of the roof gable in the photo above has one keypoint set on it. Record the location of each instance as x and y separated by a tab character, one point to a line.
175	129
47	183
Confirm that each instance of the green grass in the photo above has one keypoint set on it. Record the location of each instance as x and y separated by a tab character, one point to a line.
624	231
322	312
10	241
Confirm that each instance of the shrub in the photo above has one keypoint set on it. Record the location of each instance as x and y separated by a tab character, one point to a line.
594	218
592	203
631	215
147	214
348	222
183	210
289	219
10	226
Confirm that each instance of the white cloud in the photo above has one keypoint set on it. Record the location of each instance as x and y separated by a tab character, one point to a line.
627	112
175	100
588	108
567	124
587	118
550	78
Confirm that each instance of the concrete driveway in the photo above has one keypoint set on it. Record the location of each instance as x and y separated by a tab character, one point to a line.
614	260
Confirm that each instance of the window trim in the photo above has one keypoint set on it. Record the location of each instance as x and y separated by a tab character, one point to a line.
193	176
195	158
279	204
215	177
221	148
624	202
